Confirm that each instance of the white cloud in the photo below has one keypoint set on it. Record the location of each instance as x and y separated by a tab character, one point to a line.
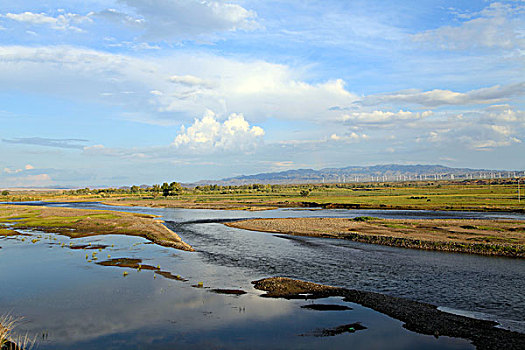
502	129
190	80
65	21
438	97
12	171
177	87
208	135
384	118
488	145
39	180
498	26
505	113
349	137
477	130
16	171
182	19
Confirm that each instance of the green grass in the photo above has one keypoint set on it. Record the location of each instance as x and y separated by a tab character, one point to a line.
364	218
6	232
443	195
60	221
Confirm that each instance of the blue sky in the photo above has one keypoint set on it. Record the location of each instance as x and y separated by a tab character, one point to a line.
108	93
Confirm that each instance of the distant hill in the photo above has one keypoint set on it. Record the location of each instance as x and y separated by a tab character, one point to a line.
387	172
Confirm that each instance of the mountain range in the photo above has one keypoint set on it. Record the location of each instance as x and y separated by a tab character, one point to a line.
386	172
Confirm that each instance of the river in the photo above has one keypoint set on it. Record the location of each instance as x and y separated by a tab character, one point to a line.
72	302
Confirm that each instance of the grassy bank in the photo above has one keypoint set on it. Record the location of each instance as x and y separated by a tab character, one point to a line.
82	223
485	237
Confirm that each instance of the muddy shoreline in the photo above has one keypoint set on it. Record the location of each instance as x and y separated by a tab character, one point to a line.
418	317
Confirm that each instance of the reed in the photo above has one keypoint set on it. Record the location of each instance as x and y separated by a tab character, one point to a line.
8	339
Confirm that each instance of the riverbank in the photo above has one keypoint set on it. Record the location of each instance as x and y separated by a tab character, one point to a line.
269	203
482	195
185	204
418	317
485	237
77	223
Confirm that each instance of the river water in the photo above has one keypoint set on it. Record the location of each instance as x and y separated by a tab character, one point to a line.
72	303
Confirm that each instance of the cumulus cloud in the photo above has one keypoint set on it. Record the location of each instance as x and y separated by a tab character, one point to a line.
350	137
483	130
504	114
66	21
209	135
438	97
182	19
498	26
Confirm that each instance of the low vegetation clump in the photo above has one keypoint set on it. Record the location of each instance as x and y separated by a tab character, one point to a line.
364	218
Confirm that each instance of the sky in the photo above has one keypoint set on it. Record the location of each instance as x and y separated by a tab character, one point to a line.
112	93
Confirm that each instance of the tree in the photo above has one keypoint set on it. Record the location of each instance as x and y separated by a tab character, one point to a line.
165	189
135	189
5	193
155	189
305	193
175	188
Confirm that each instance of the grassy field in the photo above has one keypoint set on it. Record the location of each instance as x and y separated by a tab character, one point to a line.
480	195
82	223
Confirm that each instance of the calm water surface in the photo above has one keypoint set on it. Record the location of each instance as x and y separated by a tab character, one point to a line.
72	303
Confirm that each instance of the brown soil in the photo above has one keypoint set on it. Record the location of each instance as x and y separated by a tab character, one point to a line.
127	262
87	246
137	264
82	223
326	307
170	276
229	291
418	317
486	237
330	332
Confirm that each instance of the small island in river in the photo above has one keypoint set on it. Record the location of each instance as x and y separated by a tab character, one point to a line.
486	237
77	223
